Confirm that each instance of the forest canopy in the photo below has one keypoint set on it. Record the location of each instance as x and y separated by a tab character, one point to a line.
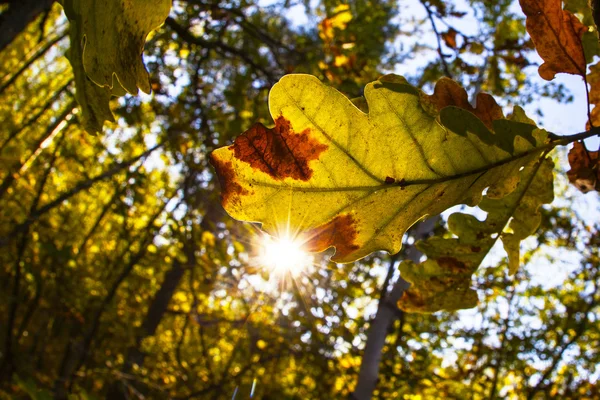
363	199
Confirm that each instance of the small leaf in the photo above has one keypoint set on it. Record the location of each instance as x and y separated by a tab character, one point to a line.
449	38
443	281
357	181
585	168
557	36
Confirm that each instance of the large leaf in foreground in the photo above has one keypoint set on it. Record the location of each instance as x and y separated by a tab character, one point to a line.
443	281
357	181
107	39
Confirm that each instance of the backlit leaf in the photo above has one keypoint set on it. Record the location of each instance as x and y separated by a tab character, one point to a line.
357	181
107	40
443	281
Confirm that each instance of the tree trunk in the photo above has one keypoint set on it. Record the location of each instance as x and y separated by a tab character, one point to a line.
156	311
19	14
387	313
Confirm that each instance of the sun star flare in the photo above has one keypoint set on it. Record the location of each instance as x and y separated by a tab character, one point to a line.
283	255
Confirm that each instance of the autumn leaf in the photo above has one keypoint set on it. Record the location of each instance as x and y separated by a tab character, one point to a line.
357	181
107	40
585	168
449	38
443	281
557	36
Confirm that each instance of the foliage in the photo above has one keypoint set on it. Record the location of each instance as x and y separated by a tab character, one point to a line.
557	35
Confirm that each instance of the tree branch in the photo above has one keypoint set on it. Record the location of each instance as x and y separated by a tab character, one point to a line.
187	36
439	42
20	13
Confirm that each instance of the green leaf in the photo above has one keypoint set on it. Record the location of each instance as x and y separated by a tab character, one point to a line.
107	40
443	281
357	181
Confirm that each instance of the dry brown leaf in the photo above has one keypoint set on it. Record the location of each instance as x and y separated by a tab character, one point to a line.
585	168
450	38
556	34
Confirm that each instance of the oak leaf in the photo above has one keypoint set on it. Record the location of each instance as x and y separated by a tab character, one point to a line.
107	40
356	181
443	281
557	36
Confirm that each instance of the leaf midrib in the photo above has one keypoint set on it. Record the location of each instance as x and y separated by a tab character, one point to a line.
403	184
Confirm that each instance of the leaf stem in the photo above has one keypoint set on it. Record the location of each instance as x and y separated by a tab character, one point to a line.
559	140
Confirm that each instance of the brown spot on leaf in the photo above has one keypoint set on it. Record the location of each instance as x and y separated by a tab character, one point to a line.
340	232
449	38
389	180
556	34
585	168
279	151
452	265
475	249
231	190
449	93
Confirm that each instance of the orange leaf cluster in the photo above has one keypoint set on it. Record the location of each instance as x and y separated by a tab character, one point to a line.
556	34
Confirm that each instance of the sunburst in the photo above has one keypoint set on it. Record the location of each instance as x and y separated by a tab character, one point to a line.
283	255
